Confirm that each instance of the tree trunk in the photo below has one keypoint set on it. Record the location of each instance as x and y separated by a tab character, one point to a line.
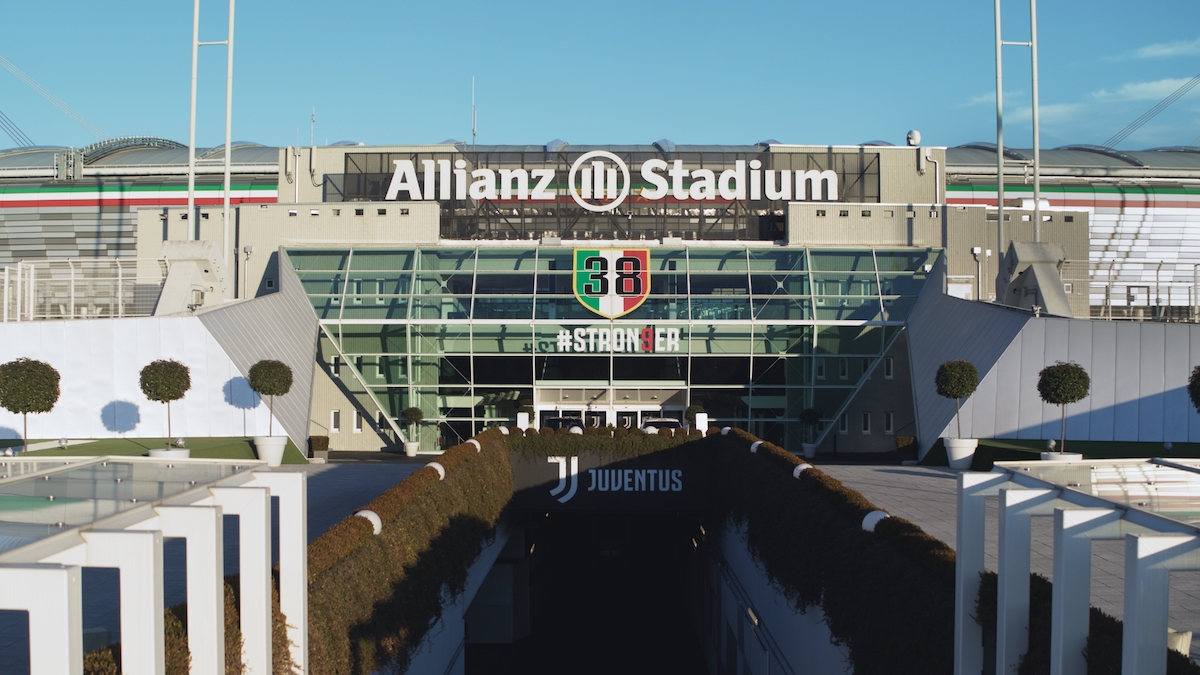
25	433
169	423
958	416
1062	441
271	422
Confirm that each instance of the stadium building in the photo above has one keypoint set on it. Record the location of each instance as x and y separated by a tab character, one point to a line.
610	284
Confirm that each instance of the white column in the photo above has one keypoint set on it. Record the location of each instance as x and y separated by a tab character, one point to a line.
53	596
203	529
292	490
252	506
1149	560
973	489
1012	590
138	557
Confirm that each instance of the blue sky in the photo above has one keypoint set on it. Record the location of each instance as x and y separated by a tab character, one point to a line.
614	72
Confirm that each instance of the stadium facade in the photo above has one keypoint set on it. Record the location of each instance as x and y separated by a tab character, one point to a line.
605	283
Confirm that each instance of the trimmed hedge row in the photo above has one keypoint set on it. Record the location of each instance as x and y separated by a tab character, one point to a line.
373	598
632	443
1105	633
887	595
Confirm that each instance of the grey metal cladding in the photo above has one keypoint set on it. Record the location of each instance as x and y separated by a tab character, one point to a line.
280	326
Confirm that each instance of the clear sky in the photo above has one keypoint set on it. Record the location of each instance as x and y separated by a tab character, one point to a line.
621	71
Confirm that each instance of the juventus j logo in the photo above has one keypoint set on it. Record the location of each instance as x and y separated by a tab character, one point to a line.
562	477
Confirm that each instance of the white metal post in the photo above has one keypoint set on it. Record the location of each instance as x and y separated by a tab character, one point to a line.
973	489
1149	560
6	294
191	203
53	596
292	490
1001	249
1012	587
1037	148
226	242
252	506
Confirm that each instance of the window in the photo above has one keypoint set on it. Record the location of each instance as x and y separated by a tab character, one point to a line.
843	424
291	212
820	370
889	422
358	212
1068	288
671	265
843	369
358	421
889	214
888	368
203	216
1069	219
314	212
866	367
404	212
866	422
335	366
933	214
844	213
379	288
866	213
270	283
335	421
382	420
820	213
381	212
337	212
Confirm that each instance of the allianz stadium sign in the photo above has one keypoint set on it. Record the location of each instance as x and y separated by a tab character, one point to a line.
600	181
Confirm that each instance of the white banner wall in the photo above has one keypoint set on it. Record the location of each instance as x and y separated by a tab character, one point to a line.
99	361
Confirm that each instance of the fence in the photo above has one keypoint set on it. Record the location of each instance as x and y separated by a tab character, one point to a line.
82	289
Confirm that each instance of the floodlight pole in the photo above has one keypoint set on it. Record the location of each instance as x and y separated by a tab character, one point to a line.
191	206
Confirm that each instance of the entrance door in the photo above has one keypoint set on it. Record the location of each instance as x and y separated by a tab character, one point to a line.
627	420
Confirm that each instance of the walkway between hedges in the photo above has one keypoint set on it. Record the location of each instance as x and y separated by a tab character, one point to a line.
927	496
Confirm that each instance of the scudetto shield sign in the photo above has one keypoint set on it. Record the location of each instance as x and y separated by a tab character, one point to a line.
612	282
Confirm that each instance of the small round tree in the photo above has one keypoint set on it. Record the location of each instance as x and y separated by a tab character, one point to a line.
690	413
165	380
270	378
810	418
1060	384
957	380
413	416
1193	388
28	386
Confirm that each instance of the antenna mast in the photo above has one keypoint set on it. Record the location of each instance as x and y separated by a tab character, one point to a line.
312	126
472	111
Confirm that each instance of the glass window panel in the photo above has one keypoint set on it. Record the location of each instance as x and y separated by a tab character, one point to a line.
779	284
650	368
717	260
503	308
447	259
560	307
908	260
847	309
504	369
383	260
551	284
441	307
731	308
321	283
393	401
777	260
379	283
503	339
720	370
357	339
327	306
668	261
501	284
375	307
555	259
845	284
898	309
318	260
828	400
574	369
864	340
782	309
719	284
507	258
668	283
429	283
442	369
720	340
669	308
902	284
783	339
842	261
771	370
722	404
441	339
500	404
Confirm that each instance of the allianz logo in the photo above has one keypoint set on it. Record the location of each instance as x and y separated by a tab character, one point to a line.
612	480
599	181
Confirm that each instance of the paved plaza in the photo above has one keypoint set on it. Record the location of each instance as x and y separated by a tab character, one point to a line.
927	496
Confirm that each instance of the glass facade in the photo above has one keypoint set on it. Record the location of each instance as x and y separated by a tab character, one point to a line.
469	334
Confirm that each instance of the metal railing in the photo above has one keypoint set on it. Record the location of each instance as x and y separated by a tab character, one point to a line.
81	288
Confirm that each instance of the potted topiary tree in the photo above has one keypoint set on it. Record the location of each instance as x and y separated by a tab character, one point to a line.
1060	384
28	386
270	378
412	417
528	411
166	380
1193	388
810	418
958	380
696	417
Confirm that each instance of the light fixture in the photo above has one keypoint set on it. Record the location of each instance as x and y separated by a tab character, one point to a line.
753	616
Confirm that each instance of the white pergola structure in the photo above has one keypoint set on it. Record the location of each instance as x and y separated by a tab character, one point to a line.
59	516
1151	504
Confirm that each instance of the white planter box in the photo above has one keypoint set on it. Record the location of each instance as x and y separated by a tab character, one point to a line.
411	447
1062	457
270	448
169	453
960	451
